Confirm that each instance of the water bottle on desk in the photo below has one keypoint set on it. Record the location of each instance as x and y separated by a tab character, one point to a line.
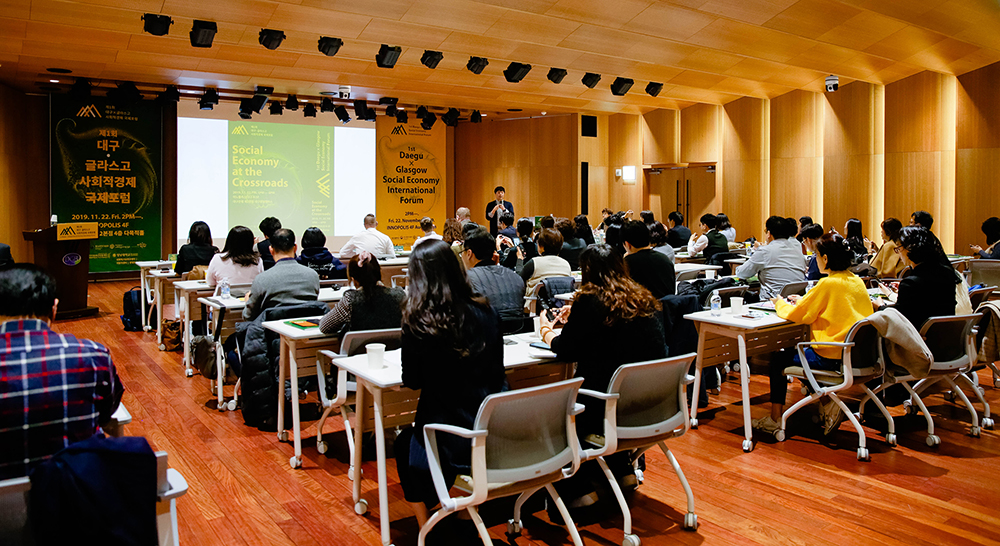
716	302
749	249
810	285
224	288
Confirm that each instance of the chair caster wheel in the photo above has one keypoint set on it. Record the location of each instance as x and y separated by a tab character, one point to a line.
890	439
694	423
982	390
779	435
860	418
296	462
949	396
736	367
146	328
863	454
747	446
163	347
221	406
513	528
640	476
231	405
361	507
987	423
691	521
933	440
974	431
321	447
189	373
630	540
910	408
283	436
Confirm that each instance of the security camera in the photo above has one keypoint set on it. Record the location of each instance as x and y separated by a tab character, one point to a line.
832	83
345	91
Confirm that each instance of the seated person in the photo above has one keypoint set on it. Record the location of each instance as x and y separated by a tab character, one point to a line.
524	248
658	240
923	219
725	227
855	237
287	283
929	289
647	267
647	217
778	262
506	224
199	249
678	235
427	226
57	389
991	228
613	236
238	262
887	260
316	256
452	351
371	240
710	242
572	245
810	235
830	309
267	227
6	260
502	287
370	305
583	229
547	264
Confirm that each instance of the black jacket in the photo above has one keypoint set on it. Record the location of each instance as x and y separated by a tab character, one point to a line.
678	236
191	255
928	291
654	270
264	248
571	250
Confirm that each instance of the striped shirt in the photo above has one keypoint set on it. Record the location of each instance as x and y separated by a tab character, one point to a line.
55	389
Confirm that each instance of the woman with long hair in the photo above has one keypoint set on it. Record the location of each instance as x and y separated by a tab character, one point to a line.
370	305
855	239
239	261
198	250
887	260
725	227
452	350
583	229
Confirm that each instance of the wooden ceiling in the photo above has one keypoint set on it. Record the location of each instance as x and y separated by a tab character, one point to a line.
710	51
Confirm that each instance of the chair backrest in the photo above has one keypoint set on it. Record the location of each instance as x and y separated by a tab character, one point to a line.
687	275
727	294
866	355
794	288
354	342
984	272
552	287
652	400
950	340
531	432
326	283
979	295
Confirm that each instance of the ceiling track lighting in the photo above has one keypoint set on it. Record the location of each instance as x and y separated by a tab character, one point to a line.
476	117
342	114
591	79
451	117
246	108
157	25
621	86
326	105
422	112
556	75
276	109
170	94
653	88
125	95
203	33
476	65
80	89
430	59
263	90
516	72
209	99
271	38
309	111
258	102
292	103
361	109
387	56
401	116
428	121
330	46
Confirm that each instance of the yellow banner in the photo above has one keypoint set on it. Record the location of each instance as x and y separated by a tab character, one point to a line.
410	175
75	231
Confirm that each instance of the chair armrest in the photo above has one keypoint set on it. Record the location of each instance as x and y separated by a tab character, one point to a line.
177	486
610	424
437	475
457	431
807	370
599	395
687	380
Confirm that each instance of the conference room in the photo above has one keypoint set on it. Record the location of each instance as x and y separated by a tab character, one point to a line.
356	272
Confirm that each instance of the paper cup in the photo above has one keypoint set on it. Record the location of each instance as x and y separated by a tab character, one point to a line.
737	305
537	323
376	354
710	274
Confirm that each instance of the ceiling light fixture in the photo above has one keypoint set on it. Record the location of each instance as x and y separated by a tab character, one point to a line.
271	38
246	108
292	103
621	86
170	94
157	25
326	105
653	89
209	99
401	116
451	117
342	114
591	79
476	117
329	46
476	65
387	56
361	109
422	111
80	89
258	102
430	59
309	111
428	121
203	33
125	95
516	72
276	109
556	75
263	90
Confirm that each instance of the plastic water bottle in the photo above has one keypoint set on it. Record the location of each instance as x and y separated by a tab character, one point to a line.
749	249
716	303
810	285
224	288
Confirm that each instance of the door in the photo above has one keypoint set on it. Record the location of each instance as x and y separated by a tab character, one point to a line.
699	190
663	185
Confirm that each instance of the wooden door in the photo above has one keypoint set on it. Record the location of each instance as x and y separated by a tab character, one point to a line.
699	189
662	191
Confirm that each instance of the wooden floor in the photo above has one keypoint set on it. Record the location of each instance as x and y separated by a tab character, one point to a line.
806	490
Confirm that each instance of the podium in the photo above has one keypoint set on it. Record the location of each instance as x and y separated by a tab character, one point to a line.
63	251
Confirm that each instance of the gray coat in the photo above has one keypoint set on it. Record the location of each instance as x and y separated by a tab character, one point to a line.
287	283
503	287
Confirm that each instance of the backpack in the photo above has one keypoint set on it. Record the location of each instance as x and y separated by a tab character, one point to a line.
132	310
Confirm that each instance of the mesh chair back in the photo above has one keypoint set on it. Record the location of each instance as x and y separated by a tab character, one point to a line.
530	431
865	355
14	526
727	294
979	295
687	275
354	342
984	272
948	340
649	403
794	288
552	287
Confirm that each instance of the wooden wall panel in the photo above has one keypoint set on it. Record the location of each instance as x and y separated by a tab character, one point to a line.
746	159
701	134
594	150
978	156
24	168
625	138
796	136
555	169
661	137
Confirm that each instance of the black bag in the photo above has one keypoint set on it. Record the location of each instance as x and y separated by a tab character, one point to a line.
132	310
703	288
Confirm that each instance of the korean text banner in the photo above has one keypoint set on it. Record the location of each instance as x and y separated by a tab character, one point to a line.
410	172
106	165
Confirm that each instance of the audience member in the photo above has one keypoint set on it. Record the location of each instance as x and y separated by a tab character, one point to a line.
267	226
991	228
923	219
502	287
198	250
463	215
6	260
371	240
613	237
506	222
887	260
452	232
929	289
605	214
547	222
523	250
572	245
809	235
583	229
427	226
369	305
315	255
647	267
494	208
677	235
658	240
548	263
805	221
452	350
287	283
238	262
778	262
647	217
855	238
57	389
726	228
710	242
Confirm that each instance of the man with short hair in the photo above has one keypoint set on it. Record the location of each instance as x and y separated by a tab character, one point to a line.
463	215
287	283
267	227
427	225
677	234
56	389
506	222
494	208
923	219
647	267
711	241
371	240
500	285
778	262
647	217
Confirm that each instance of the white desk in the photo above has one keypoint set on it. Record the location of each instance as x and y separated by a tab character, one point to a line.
374	382
753	337
684	257
160	281
684	267
147	294
186	294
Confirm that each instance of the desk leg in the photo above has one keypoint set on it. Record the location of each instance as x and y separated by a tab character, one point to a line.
293	370
142	298
157	295
383	492
282	366
186	335
360	505
220	373
745	388
696	391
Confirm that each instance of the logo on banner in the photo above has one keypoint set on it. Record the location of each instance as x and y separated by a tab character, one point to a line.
68	230
89	112
324	185
72	259
399	130
240	130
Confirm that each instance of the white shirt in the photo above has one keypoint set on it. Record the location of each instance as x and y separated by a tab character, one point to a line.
370	240
224	268
730	233
697	245
426	237
776	264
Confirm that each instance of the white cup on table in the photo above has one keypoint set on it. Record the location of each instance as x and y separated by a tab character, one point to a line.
538	324
710	274
736	304
376	355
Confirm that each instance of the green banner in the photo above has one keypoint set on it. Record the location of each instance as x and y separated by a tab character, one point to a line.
106	168
279	170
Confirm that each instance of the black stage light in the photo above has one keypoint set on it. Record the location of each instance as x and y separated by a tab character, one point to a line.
80	89
621	86
476	117
258	102
421	112
430	59
326	105
401	116
590	79
372	114
125	95
170	94
276	109
361	109
263	90
451	117
292	103
556	75
476	65
390	102
387	56
205	105
246	108
428	121
211	96
391	110
309	111
271	38
157	25
203	32
342	114
516	72
330	46
653	89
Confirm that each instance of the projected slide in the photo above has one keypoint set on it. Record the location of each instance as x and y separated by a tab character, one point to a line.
236	173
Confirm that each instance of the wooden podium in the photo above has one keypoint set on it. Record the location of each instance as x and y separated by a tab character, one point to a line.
63	251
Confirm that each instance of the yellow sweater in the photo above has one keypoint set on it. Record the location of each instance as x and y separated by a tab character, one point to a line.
887	262
830	309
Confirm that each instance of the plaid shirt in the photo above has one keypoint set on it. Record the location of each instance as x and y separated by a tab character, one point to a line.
55	389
